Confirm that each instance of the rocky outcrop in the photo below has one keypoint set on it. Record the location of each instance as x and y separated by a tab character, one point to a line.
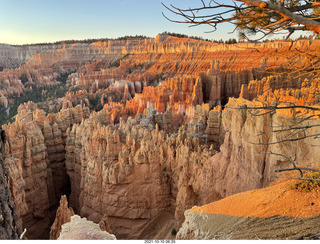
9	224
188	169
268	84
135	171
65	214
244	161
82	229
26	143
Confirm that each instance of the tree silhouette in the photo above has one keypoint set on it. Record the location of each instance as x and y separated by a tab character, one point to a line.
251	17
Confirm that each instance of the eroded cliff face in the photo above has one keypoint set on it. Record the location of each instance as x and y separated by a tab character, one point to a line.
9	224
139	171
17	186
15	56
35	142
134	169
150	62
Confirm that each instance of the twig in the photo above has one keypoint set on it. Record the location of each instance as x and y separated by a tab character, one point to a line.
291	161
297	168
23	233
296	178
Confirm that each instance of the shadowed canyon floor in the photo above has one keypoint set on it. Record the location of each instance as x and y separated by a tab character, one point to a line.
138	131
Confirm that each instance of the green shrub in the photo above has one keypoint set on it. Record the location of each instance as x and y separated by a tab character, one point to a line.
173	231
307	185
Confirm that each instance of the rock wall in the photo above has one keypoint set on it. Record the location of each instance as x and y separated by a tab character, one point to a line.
139	171
9	224
17	186
14	56
36	142
244	161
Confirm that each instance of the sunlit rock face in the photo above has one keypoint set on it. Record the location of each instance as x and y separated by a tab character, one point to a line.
147	62
17	186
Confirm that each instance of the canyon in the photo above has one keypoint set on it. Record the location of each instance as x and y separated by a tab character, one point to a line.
148	128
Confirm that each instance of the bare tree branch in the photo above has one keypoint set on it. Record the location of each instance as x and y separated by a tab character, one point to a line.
315	136
255	16
298	168
291	161
298	178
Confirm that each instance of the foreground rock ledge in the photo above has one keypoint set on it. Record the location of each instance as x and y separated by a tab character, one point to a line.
275	212
83	229
224	227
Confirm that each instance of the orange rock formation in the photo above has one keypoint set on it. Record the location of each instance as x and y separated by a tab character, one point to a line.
162	142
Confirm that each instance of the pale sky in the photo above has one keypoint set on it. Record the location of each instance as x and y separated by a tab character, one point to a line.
36	21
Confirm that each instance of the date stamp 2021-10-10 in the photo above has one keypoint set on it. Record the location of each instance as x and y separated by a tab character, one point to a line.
160	241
